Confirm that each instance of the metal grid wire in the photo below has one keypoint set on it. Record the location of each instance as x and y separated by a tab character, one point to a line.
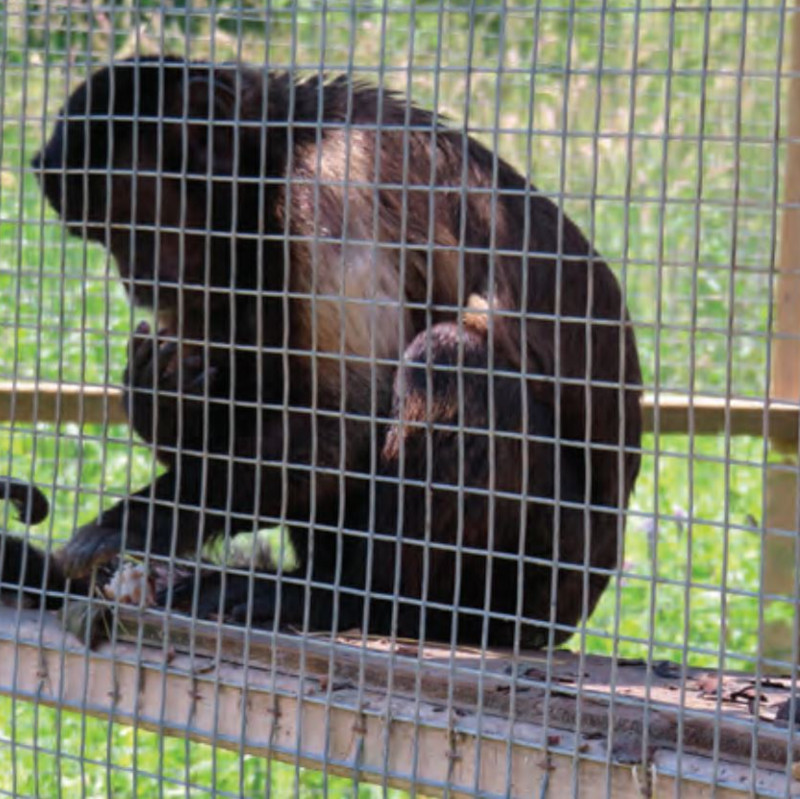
377	296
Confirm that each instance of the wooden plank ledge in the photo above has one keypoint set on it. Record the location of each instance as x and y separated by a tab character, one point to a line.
28	402
367	707
59	403
717	415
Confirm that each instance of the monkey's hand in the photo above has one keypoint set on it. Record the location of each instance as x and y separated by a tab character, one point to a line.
164	390
224	595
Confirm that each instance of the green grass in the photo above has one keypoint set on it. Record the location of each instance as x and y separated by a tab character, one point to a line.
648	165
44	751
687	573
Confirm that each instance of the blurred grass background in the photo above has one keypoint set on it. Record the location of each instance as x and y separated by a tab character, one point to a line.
659	127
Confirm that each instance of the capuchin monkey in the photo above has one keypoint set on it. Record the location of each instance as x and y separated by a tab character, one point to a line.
369	329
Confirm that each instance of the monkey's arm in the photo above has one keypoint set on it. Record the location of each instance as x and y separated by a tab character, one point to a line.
203	496
171	508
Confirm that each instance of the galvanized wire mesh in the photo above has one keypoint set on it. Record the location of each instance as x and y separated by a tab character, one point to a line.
666	134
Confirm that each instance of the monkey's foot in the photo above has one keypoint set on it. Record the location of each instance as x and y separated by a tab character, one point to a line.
226	595
90	546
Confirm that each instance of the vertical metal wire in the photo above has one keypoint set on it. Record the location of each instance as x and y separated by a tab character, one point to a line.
624	274
558	370
375	429
35	448
261	326
405	335
158	254
491	323
589	419
663	194
698	190
285	365
525	376
316	290
730	325
341	520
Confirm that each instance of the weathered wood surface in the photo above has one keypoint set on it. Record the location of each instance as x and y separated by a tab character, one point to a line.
782	488
427	716
25	402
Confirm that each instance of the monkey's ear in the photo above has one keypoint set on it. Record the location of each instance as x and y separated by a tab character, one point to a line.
210	109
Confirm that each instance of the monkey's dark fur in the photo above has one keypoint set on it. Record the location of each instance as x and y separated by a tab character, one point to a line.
24	565
360	292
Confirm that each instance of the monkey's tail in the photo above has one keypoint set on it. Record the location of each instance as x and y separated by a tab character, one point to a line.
29	502
24	565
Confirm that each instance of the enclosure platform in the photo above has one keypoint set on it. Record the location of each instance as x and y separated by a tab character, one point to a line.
25	401
503	725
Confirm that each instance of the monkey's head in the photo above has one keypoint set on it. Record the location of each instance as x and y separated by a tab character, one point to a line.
142	160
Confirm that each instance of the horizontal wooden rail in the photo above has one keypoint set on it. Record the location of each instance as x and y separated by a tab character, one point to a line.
548	725
25	401
717	415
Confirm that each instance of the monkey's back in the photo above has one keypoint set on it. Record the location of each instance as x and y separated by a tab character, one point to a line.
391	222
397	223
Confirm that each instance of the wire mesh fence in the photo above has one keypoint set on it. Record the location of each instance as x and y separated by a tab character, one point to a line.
415	391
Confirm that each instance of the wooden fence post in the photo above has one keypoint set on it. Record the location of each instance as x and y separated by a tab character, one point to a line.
782	489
